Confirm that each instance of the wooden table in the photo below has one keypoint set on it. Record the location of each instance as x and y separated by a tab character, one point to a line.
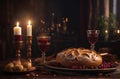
44	75
41	74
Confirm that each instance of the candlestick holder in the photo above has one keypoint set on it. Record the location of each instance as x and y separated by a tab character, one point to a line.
29	43
18	46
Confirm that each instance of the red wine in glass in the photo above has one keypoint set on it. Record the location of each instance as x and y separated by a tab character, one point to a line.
93	37
43	43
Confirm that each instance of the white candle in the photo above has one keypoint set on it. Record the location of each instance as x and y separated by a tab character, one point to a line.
17	30
115	7
106	8
29	29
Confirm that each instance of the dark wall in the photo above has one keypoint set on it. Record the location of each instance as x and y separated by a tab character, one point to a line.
21	10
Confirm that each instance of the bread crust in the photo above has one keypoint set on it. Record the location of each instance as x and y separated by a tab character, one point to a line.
78	56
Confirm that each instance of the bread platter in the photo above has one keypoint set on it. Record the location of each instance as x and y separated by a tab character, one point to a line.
54	67
76	61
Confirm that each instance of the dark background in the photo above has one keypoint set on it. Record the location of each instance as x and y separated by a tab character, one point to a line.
77	12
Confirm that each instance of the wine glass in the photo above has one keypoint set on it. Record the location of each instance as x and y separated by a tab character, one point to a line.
92	36
43	43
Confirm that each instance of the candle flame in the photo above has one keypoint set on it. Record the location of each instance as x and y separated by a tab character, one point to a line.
29	22
106	31
17	23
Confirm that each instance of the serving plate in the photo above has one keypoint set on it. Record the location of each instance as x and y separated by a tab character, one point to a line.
52	67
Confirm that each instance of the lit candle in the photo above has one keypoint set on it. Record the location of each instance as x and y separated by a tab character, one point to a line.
17	33
29	29
17	29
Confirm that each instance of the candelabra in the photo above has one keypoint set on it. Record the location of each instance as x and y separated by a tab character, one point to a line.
29	43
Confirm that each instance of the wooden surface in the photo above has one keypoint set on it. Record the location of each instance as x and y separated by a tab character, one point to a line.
46	75
42	74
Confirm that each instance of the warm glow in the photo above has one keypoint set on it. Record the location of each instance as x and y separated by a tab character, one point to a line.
59	25
17	29
118	31
17	23
29	22
106	31
66	19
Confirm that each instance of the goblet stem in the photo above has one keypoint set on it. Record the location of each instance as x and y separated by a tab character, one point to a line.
92	47
43	58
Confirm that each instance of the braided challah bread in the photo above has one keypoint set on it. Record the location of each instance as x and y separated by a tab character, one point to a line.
78	56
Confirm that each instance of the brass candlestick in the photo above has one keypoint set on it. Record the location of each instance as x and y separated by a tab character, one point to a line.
18	46
29	43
